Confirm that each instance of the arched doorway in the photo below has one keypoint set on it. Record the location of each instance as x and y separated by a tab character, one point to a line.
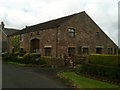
35	46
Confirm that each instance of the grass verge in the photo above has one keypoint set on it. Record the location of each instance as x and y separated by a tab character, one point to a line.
15	63
83	82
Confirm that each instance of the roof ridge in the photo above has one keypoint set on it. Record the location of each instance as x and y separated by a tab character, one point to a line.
48	24
57	19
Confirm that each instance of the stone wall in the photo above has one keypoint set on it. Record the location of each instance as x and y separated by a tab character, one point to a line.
87	34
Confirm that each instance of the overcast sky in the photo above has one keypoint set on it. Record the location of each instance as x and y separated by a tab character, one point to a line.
19	13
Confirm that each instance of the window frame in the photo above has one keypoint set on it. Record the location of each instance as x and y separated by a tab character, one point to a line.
48	53
21	37
71	32
31	33
97	34
70	49
85	51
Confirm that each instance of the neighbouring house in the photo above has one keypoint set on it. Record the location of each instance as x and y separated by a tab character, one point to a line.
6	32
75	34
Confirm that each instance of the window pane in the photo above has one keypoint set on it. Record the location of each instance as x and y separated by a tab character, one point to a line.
99	50
71	32
48	51
71	51
85	51
110	50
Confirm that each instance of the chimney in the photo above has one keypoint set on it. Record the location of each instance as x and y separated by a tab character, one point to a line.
2	24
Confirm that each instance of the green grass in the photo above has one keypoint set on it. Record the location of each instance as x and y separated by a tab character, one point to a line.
15	63
83	82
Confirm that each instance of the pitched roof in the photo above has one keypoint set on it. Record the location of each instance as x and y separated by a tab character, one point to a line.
10	31
47	25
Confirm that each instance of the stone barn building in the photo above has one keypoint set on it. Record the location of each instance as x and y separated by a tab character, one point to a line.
74	34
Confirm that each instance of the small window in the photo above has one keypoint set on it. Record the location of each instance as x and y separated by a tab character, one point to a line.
97	35
85	50
71	32
38	33
48	51
110	50
98	50
31	34
71	51
21	37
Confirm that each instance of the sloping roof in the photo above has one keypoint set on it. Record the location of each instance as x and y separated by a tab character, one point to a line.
10	31
47	25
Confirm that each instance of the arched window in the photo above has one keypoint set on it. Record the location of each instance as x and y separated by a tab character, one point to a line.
35	46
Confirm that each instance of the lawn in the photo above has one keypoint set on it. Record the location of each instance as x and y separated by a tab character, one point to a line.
15	63
83	82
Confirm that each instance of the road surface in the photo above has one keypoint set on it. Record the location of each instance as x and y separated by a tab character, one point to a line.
14	76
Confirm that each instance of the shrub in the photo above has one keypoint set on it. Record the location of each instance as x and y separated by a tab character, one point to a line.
109	60
48	60
80	59
26	56
55	62
30	58
21	53
12	57
110	73
35	55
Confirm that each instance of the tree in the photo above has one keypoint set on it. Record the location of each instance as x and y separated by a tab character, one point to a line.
16	43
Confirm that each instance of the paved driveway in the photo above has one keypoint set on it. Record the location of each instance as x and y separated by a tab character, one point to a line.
28	77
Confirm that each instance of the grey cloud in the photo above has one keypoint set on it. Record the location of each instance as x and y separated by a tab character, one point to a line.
18	13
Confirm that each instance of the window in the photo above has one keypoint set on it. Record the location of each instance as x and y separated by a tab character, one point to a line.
97	35
48	51
85	50
71	51
35	45
110	50
38	33
21	49
31	34
71	32
21	37
99	50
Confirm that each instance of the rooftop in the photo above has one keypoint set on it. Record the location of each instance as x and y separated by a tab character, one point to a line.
47	25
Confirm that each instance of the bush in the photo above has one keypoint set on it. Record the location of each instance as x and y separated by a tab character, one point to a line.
35	55
110	73
21	53
12	57
80	59
108	60
55	62
30	58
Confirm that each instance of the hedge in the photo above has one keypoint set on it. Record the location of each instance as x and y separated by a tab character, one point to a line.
28	58
108	60
54	62
79	59
110	73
